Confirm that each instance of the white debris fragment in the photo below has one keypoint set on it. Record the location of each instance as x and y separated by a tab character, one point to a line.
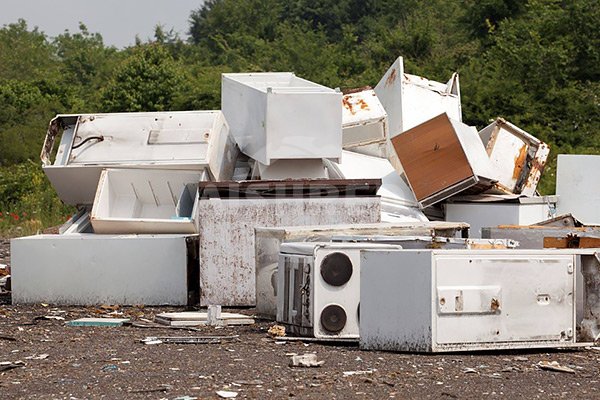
305	360
555	366
227	394
366	372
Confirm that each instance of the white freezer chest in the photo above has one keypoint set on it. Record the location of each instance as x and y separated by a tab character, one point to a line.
276	115
521	211
89	143
146	201
456	300
227	240
87	269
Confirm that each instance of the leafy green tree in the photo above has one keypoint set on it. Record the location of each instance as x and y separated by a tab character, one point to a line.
148	80
25	54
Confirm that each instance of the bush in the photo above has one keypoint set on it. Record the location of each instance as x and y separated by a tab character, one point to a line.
28	203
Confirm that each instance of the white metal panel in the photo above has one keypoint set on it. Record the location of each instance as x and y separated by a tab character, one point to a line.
410	100
396	301
190	140
396	195
227	244
145	201
424	99
279	116
474	149
480	215
504	298
154	137
312	168
82	269
578	188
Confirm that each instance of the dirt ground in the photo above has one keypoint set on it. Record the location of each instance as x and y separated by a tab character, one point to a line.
62	362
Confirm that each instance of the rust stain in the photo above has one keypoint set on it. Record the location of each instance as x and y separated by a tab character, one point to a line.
392	78
363	104
520	161
495	304
348	104
537	167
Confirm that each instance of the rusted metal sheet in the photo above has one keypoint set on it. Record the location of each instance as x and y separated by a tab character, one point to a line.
565	220
532	236
364	120
430	242
227	243
571	242
517	157
184	140
590	321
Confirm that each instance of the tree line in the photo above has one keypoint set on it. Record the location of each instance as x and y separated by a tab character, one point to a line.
535	63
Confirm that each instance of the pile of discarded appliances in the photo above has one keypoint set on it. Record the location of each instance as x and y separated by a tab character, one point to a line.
375	216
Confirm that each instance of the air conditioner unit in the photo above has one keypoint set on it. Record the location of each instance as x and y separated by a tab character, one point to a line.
318	292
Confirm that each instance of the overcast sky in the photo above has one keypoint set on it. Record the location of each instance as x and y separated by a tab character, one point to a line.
118	21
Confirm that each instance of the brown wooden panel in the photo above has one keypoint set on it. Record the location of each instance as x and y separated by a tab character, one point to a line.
571	242
432	156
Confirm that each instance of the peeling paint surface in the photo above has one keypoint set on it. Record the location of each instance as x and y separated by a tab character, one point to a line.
227	244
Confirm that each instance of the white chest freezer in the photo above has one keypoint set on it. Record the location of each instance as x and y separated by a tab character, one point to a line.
89	143
227	241
458	300
88	269
517	211
276	115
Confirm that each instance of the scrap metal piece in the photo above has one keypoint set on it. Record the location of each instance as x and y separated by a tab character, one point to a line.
518	158
188	339
364	120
